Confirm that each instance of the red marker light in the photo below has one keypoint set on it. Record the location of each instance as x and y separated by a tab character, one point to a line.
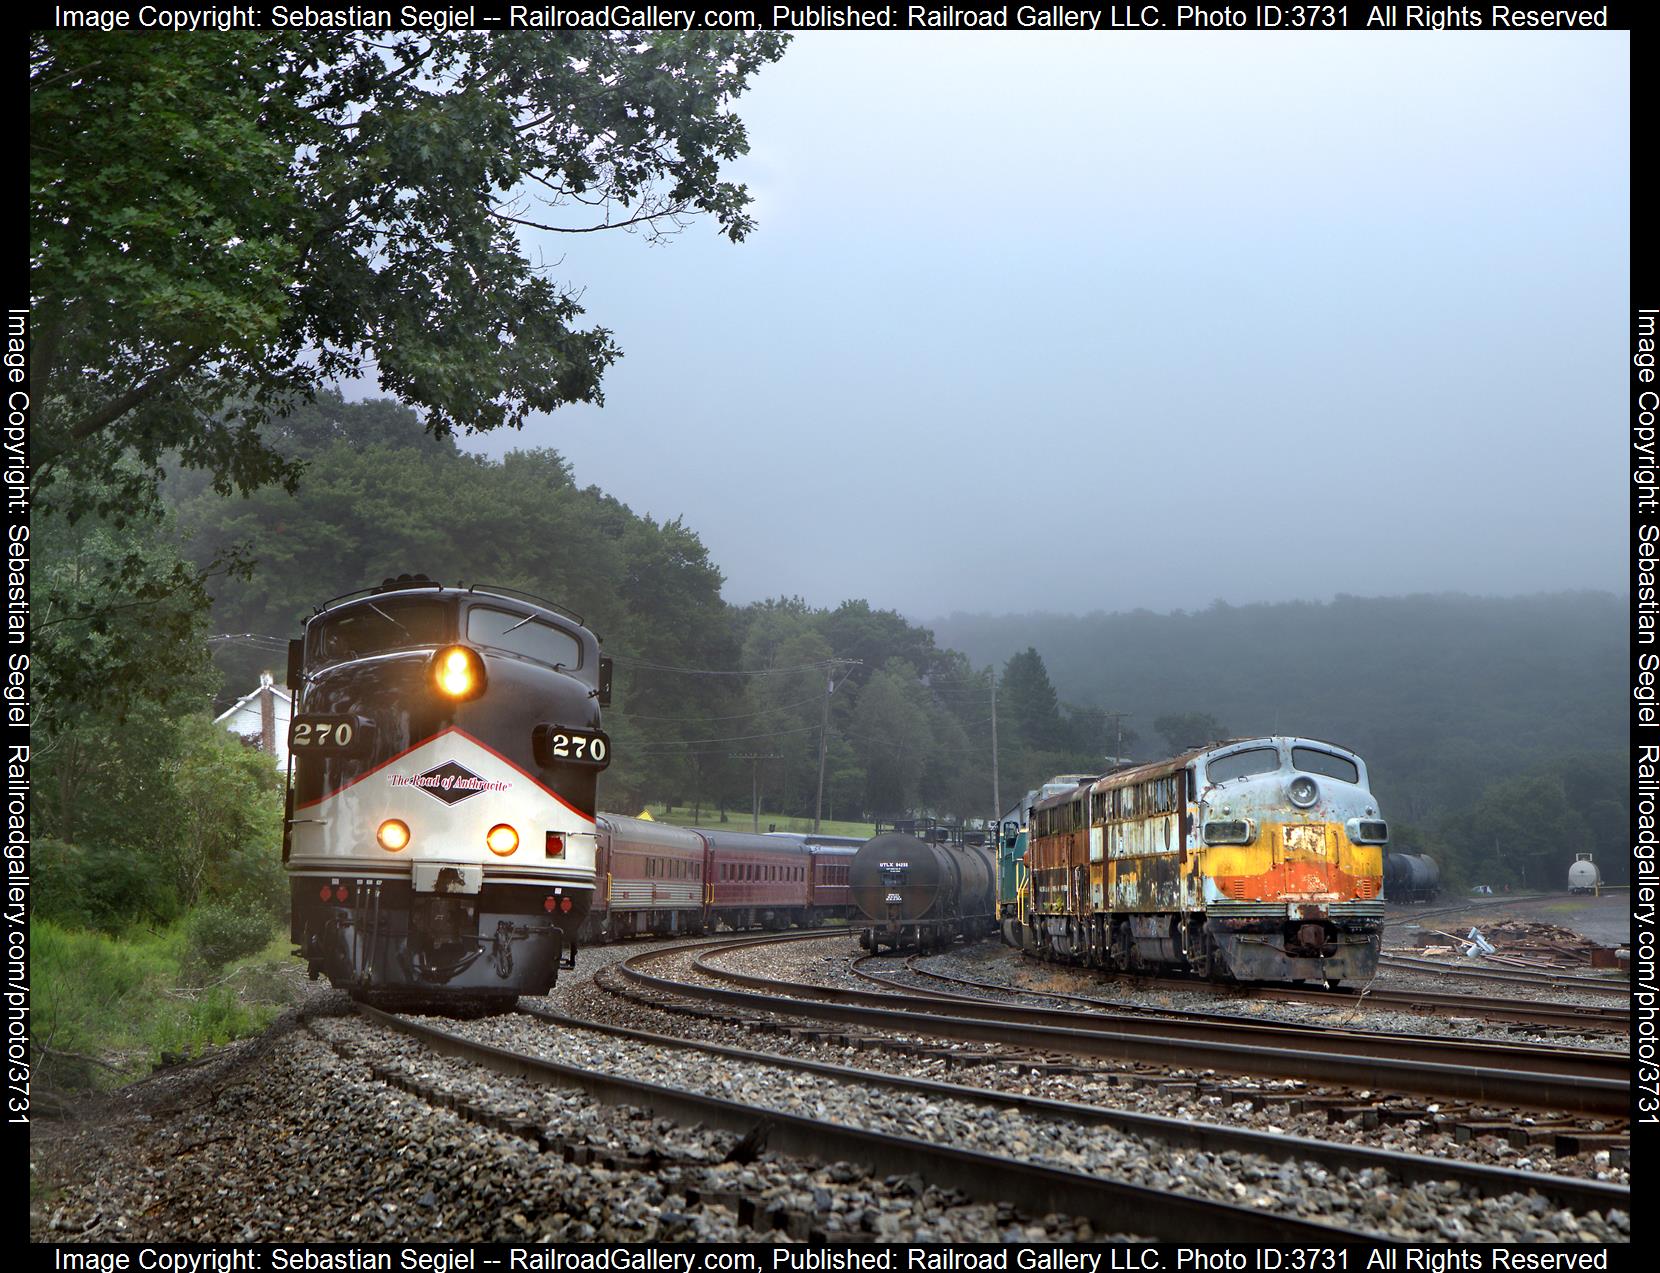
324	893
564	903
340	893
547	904
555	845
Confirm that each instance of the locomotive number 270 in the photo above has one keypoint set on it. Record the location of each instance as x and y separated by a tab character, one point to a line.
555	746
325	733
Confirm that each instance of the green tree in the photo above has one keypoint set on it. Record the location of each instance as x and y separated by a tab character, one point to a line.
118	620
402	501
790	705
674	632
891	734
1522	831
1028	702
223	836
223	224
874	637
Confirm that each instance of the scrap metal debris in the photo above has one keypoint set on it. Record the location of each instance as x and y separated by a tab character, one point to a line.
1518	943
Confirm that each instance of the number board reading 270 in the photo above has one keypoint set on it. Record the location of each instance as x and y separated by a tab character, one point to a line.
313	733
556	746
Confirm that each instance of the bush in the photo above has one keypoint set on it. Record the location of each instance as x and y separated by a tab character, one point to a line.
59	879
104	886
226	845
219	934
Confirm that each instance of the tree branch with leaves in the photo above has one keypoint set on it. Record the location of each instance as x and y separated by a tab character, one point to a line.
222	224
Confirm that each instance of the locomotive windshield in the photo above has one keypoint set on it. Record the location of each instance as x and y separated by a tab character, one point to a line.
1242	764
377	627
1311	761
524	636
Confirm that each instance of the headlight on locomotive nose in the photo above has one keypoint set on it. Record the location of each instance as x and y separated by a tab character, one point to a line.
1303	792
393	834
458	672
502	839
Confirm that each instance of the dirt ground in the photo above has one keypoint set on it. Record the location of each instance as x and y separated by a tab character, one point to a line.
1605	919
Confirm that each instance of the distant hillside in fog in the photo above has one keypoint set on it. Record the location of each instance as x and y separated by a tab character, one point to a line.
1443	694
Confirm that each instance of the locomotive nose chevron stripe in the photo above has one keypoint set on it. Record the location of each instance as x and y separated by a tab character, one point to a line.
463	743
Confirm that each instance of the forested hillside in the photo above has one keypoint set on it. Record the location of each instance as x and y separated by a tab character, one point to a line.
1449	698
711	700
1490	724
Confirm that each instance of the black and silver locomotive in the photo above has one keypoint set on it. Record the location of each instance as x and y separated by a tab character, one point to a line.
444	751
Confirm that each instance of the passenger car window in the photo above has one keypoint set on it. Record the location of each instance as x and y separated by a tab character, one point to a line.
1311	761
1242	764
504	630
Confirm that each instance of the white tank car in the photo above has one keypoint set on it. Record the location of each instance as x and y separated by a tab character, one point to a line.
1583	876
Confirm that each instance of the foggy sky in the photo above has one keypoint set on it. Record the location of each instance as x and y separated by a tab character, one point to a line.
1080	321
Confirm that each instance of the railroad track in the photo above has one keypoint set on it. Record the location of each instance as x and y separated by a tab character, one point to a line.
1218	1027
1532	1077
1541	977
1567	1191
1557	1015
1036	1188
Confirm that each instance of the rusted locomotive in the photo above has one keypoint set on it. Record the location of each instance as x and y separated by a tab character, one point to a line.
1256	859
924	887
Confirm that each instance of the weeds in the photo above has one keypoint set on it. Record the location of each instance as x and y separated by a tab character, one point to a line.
109	1008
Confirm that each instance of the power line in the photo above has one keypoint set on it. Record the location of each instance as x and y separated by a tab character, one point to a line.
251	638
710	671
760	711
735	738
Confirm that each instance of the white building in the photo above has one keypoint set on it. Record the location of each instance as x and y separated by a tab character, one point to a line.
260	719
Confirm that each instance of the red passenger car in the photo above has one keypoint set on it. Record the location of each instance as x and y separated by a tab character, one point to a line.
831	896
757	879
649	879
656	878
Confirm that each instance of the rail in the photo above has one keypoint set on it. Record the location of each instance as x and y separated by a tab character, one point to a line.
1589	1082
1037	1189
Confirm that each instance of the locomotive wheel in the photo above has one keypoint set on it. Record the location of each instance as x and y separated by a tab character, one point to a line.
1123	948
1198	954
1209	960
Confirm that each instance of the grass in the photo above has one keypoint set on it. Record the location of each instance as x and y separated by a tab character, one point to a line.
109	1008
742	820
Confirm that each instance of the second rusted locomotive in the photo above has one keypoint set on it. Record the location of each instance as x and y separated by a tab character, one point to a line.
1255	859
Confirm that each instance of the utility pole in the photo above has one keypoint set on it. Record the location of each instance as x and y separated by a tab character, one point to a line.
824	731
755	758
1117	719
996	796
